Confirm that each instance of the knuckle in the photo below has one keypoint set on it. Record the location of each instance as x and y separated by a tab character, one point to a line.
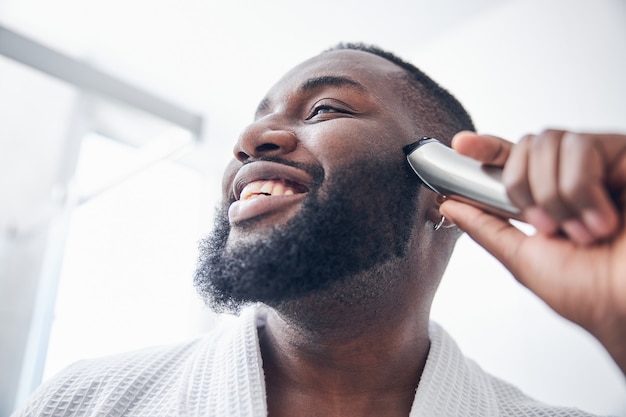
526	139
552	134
575	140
552	202
547	138
571	187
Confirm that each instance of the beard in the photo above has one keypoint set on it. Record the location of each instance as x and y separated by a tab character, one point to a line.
353	224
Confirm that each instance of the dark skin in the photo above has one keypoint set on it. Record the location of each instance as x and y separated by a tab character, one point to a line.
572	188
330	355
330	358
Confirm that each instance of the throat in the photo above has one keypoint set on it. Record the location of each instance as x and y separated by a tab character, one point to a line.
355	306
369	373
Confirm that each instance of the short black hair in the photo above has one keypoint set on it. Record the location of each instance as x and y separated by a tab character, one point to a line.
445	115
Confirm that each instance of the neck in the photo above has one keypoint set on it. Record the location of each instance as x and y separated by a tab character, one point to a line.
356	352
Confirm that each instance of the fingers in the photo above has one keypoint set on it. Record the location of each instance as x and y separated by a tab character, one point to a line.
496	235
487	149
584	187
559	180
562	181
530	178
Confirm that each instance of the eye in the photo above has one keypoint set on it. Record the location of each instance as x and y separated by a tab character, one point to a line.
320	109
323	109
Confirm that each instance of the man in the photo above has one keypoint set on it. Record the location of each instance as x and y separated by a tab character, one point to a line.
325	225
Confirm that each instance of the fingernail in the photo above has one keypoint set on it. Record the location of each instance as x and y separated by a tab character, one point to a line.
577	231
540	220
600	224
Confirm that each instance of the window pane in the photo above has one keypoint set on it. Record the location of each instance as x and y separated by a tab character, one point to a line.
126	280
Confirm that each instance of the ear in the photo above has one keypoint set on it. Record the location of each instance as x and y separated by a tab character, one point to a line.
434	215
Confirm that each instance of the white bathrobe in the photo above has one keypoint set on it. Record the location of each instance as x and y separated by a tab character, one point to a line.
221	374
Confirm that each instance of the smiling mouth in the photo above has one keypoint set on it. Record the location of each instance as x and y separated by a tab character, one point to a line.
268	193
274	188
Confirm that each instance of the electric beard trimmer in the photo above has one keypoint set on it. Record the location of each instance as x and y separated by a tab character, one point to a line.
458	177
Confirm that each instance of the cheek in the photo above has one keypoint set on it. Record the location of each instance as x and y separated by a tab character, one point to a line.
227	179
340	147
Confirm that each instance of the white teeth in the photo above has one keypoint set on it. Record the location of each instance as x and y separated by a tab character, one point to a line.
268	187
279	189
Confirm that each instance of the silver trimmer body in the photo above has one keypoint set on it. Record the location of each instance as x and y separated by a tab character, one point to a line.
459	177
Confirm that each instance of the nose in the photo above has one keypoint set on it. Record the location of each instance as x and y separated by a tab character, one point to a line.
263	138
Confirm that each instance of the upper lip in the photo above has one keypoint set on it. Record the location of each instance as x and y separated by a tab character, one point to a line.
267	170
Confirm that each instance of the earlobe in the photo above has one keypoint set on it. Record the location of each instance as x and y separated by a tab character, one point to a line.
438	219
443	223
440	223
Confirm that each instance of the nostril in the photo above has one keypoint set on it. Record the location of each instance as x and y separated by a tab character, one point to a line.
259	150
260	140
267	147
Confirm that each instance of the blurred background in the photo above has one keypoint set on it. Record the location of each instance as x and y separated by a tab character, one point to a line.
117	118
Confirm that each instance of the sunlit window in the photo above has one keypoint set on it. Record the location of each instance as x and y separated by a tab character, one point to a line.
126	279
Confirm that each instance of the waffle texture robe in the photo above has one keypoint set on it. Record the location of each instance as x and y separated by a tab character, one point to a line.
221	375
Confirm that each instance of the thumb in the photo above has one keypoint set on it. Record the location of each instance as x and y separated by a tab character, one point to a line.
496	235
487	149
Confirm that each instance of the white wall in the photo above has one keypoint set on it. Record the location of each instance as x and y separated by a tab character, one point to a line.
519	69
517	65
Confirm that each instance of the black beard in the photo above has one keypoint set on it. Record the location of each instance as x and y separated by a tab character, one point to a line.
364	219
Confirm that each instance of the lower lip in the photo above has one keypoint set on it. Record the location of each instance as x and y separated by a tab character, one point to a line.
242	210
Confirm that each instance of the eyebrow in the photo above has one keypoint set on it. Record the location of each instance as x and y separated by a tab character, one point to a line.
317	83
330	81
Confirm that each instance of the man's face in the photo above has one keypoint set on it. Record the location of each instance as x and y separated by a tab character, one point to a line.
319	190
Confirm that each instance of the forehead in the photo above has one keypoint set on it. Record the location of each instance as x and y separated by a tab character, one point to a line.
369	70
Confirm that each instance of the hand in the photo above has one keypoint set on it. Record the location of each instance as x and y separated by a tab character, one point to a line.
572	189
